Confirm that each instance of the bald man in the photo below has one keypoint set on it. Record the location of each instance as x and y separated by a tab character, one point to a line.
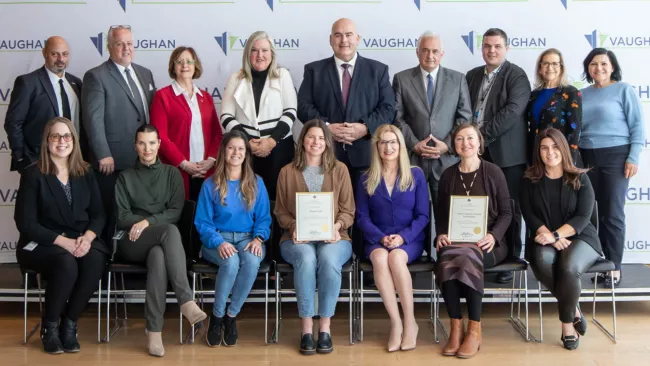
38	97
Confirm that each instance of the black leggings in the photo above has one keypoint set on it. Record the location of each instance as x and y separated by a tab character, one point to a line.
560	272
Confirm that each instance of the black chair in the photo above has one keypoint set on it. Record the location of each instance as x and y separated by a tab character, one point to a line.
512	263
601	265
116	266
426	264
203	268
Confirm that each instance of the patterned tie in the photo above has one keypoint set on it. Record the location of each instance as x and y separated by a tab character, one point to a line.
347	79
136	96
65	103
430	90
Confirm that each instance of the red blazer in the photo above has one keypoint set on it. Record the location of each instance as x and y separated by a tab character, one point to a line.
172	117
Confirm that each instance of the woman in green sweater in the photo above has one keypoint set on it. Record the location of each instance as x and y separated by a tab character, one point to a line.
149	200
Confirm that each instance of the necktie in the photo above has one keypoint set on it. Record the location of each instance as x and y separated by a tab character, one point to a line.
136	95
430	90
347	80
65	103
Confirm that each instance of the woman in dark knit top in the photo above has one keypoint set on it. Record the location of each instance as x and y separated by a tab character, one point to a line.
149	200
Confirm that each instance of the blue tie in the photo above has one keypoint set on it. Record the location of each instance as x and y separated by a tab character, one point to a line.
430	90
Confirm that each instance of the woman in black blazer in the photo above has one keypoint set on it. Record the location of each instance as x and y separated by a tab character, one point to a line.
59	213
557	201
554	103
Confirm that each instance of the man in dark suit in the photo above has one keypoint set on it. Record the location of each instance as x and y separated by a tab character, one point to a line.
499	92
116	98
38	97
430	101
351	93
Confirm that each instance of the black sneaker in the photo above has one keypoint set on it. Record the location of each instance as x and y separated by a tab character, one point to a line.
307	344
50	337
324	343
214	334
230	331
68	335
600	277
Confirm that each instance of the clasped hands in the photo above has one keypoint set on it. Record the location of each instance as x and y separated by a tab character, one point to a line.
197	169
80	246
348	132
262	147
430	152
545	237
487	243
392	241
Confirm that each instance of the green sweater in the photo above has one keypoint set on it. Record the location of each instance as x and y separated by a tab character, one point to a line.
154	192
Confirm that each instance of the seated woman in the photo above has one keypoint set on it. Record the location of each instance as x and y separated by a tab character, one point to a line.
315	169
392	212
59	214
233	221
460	265
557	201
149	200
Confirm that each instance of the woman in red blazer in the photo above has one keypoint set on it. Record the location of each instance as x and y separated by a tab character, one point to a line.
187	121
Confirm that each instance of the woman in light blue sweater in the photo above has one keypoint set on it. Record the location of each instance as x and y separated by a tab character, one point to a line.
610	145
233	219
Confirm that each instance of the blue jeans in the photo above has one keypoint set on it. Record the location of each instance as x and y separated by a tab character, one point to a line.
312	260
236	274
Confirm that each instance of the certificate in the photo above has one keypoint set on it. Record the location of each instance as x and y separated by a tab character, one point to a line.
467	218
314	216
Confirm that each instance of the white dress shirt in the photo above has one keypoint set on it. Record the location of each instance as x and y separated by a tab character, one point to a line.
339	68
425	79
73	101
122	70
197	144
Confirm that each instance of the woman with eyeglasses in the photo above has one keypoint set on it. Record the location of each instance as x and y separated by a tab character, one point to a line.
187	122
392	212
554	103
59	215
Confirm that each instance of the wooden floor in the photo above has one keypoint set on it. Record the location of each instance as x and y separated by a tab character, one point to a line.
502	345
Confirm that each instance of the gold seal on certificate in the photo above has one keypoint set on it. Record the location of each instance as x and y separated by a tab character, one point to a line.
314	216
467	218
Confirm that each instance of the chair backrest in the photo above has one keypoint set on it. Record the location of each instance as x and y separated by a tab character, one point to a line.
186	227
513	234
594	215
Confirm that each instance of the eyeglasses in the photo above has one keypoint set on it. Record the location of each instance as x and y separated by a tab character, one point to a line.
184	62
55	137
120	26
554	64
384	143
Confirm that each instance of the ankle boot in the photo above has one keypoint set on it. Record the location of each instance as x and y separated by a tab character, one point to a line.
456	335
193	312
68	333
472	342
50	337
155	344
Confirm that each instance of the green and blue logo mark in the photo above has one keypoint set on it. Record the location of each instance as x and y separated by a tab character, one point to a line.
473	41
597	39
228	42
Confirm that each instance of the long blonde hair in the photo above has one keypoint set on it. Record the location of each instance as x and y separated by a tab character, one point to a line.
374	174
77	167
248	181
245	72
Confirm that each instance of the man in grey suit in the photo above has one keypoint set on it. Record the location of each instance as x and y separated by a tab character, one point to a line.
116	97
431	101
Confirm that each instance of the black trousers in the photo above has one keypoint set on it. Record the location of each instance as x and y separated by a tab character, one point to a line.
106	185
513	176
607	177
560	272
269	167
71	281
195	187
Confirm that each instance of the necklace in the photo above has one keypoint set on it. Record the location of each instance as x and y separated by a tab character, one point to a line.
467	190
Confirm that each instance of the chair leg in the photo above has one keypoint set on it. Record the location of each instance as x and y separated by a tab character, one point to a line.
124	298
266	308
595	320
350	316
541	324
276	329
99	311
25	309
107	338
361	290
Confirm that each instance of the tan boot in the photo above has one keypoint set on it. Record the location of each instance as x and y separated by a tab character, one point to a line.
456	335
472	342
155	344
193	312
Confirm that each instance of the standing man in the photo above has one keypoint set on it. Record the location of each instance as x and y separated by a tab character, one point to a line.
351	93
116	98
500	91
430	101
38	97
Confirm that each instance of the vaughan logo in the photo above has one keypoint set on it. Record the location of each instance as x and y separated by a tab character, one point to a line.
122	4
8	245
638	194
473	40
388	43
21	44
637	245
214	92
597	39
8	196
100	41
228	42
4	147
4	95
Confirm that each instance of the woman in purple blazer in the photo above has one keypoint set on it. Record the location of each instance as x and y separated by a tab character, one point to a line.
392	212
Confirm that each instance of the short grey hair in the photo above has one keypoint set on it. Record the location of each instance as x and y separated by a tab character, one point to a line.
430	34
109	35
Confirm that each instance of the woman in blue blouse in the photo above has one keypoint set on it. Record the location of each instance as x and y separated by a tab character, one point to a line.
233	220
392	213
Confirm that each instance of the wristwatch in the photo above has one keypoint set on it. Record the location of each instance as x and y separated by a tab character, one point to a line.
556	236
260	238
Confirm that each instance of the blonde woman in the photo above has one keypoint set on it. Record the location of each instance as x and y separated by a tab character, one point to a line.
392	213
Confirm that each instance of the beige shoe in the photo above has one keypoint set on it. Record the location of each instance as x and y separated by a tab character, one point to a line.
193	312
472	342
410	337
155	344
395	339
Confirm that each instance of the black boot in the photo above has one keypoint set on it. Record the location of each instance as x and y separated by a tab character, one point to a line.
230	331
214	334
50	337
69	335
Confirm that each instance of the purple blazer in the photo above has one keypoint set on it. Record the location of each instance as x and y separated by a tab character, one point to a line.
404	213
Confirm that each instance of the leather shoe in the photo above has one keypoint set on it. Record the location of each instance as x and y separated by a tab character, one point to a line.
580	324
473	339
616	280
570	342
68	335
504	277
307	344
50	337
324	343
456	335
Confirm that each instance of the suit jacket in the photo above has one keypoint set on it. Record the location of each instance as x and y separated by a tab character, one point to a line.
504	129
370	101
172	116
42	211
110	115
451	106
563	111
33	103
576	208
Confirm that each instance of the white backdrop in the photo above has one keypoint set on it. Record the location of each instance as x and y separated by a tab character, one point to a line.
389	29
